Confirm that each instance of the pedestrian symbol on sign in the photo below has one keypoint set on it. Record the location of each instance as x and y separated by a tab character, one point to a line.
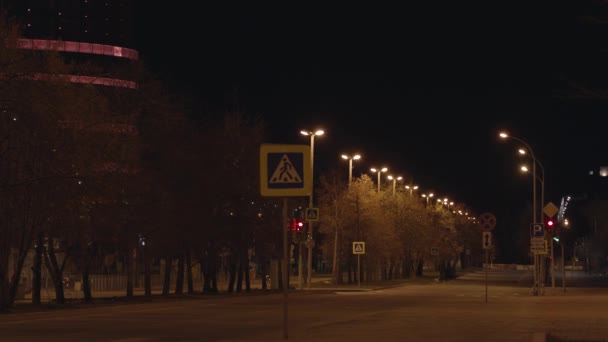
285	172
359	247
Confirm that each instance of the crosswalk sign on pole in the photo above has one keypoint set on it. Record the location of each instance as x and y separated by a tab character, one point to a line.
285	170
311	214
359	247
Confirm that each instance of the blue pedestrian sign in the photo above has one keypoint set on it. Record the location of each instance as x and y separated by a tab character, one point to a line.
285	170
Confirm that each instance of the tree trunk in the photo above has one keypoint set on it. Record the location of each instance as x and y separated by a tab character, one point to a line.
86	283
147	276
179	278
239	278
245	267
189	272
232	268
55	271
420	268
37	271
167	280
263	270
130	268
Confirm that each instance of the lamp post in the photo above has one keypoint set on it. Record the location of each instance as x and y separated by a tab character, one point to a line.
309	240
378	172
427	198
504	135
411	188
350	166
394	182
541	180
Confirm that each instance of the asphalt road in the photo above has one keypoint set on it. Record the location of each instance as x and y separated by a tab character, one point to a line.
451	311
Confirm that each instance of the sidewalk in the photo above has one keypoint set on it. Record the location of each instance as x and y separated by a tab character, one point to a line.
321	282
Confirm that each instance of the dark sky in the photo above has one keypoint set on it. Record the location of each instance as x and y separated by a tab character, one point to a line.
422	89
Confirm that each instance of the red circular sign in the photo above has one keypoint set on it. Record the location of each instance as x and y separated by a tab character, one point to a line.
487	221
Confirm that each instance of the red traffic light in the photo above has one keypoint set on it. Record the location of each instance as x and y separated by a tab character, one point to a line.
296	225
549	224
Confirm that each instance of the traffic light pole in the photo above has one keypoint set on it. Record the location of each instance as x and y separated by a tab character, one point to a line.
284	267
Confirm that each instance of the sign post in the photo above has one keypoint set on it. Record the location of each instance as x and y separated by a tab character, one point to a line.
487	221
550	210
285	172
359	248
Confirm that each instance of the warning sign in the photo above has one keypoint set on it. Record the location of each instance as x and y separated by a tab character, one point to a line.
358	247
285	170
312	214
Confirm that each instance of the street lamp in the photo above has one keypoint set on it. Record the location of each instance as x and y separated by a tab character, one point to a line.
504	135
411	188
312	135
427	198
350	166
378	172
394	181
541	180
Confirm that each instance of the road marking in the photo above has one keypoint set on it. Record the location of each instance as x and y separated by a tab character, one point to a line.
131	339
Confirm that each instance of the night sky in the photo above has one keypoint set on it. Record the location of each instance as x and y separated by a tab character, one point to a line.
421	89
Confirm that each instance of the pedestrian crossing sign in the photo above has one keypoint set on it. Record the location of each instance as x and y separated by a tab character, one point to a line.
311	214
285	170
359	247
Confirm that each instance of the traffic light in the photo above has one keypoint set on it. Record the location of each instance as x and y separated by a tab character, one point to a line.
549	224
297	225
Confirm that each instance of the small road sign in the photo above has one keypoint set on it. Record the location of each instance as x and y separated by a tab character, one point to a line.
550	209
487	221
285	170
311	214
434	250
537	229
538	245
359	247
486	240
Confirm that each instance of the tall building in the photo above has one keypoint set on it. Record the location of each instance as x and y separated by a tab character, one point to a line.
97	31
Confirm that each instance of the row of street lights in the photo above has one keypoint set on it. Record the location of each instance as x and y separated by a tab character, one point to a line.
349	158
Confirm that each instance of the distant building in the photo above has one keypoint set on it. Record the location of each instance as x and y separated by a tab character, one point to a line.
99	32
595	188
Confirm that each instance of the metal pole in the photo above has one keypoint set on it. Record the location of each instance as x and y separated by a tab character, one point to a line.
394	185
350	171
284	267
536	261
359	269
486	267
300	262
563	266
378	181
310	223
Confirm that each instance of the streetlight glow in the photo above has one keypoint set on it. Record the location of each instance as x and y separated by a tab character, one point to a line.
503	135
373	169
309	238
350	165
524	168
521	151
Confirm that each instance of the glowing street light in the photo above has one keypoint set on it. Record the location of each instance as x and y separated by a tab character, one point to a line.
394	181
384	169
312	135
411	188
427	197
537	272
350	166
